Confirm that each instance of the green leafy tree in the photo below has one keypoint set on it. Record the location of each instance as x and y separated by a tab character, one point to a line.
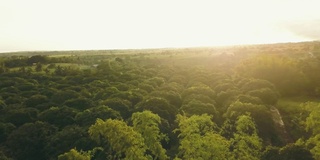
267	95
20	116
199	108
5	131
73	154
37	59
80	103
38	67
146	123
247	85
134	95
158	106
246	143
295	152
172	97
225	98
105	67
58	116
62	96
123	139
282	71
313	125
271	153
199	140
71	136
89	116
147	87
199	89
35	100
124	107
29	140
260	113
249	99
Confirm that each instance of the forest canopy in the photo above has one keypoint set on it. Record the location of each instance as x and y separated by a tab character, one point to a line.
242	102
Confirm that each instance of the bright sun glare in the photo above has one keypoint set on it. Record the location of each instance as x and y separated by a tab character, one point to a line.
63	25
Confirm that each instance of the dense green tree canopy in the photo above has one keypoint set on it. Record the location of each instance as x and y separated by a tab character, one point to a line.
240	102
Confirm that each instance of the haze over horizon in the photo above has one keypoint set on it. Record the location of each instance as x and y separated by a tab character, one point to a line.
124	24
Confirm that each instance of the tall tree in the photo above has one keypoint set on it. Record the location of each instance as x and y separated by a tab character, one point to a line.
198	140
29	140
123	139
313	126
146	123
246	143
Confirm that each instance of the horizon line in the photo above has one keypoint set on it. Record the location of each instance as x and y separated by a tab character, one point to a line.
155	48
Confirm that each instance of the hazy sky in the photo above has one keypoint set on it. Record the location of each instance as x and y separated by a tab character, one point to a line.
112	24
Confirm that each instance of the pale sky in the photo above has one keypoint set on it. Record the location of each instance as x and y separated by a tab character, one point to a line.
120	24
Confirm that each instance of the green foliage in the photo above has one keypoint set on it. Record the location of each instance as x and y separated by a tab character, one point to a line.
73	154
69	90
198	140
253	84
201	89
268	96
279	70
105	67
260	113
313	144
89	116
29	140
37	59
195	107
225	98
38	67
224	86
26	86
61	96
146	123
246	143
199	97
249	99
124	107
172	97
80	103
271	153
124	141
313	120
36	100
295	152
147	87
20	116
58	116
158	106
5	131
293	115
134	96
68	137
157	81
313	125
